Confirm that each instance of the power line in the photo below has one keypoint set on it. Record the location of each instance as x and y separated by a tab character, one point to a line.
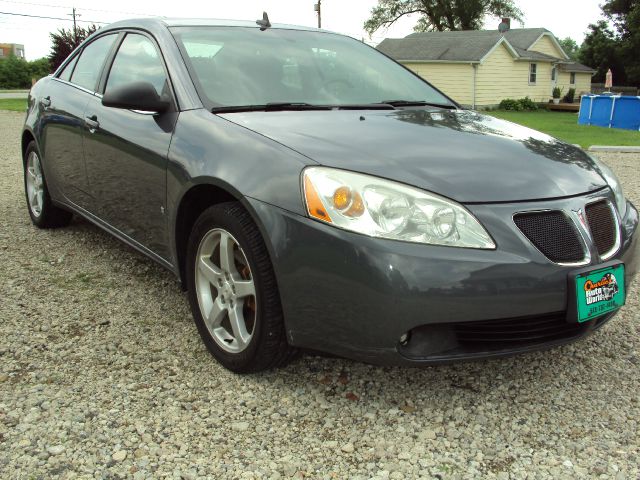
49	18
80	8
34	4
115	11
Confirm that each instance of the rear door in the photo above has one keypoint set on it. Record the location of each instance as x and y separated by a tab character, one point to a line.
63	106
126	151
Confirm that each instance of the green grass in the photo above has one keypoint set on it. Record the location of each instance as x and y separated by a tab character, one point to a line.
13	104
565	126
557	124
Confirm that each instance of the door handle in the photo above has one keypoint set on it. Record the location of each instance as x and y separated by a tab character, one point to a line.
45	102
92	122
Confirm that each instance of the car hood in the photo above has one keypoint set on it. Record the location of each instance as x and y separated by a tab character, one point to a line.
459	154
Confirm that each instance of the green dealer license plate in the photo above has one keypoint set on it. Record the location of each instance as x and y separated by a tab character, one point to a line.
599	291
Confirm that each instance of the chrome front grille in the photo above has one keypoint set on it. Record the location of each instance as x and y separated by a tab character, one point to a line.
553	233
602	223
559	237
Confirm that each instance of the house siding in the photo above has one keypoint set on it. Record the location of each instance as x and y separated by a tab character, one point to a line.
582	85
546	45
500	77
454	79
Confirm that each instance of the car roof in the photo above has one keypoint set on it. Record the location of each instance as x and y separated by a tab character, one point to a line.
199	22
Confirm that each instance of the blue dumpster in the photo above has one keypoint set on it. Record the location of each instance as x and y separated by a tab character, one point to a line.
611	111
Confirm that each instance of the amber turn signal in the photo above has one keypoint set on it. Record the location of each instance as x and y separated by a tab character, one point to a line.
342	198
357	206
348	201
314	204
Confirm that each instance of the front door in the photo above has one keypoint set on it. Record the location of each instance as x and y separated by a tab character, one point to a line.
126	151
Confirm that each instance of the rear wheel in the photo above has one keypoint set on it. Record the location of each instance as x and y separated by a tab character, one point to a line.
233	293
43	212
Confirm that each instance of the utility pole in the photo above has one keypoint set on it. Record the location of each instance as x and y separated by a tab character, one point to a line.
75	28
316	7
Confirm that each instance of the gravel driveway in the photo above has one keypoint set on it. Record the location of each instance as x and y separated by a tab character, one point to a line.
103	375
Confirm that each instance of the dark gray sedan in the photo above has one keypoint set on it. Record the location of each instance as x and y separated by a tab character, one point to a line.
311	193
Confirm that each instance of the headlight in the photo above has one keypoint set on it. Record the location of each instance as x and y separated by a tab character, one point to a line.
382	208
614	183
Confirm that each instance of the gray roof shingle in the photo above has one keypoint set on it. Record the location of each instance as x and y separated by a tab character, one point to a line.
461	46
575	67
468	46
445	46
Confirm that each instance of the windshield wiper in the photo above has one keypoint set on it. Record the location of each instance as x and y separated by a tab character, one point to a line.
299	106
270	107
417	103
279	106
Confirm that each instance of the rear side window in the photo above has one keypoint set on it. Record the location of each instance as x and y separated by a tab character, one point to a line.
68	70
89	65
137	60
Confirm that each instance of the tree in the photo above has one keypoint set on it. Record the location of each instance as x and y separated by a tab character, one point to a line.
600	50
625	15
570	47
17	73
65	41
440	15
14	73
39	68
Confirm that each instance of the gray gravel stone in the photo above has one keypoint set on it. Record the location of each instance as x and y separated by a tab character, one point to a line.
119	456
56	449
99	354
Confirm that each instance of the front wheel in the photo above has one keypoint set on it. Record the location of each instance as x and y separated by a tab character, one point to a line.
233	292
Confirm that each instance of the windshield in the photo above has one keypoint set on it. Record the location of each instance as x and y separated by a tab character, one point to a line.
241	66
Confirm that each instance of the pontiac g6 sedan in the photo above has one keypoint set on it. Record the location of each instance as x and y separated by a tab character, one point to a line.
311	193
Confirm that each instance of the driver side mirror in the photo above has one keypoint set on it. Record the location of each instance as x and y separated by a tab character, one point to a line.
136	96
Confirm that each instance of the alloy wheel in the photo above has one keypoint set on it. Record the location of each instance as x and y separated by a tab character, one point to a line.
35	184
225	290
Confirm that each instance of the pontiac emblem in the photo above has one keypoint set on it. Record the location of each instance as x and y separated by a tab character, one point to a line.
580	216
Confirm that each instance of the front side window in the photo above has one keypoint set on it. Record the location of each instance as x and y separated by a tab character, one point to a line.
533	72
572	78
239	66
137	60
553	74
89	66
68	70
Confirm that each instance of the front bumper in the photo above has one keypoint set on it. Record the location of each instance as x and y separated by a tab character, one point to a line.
356	296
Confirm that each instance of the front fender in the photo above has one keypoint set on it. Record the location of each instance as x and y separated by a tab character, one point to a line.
206	147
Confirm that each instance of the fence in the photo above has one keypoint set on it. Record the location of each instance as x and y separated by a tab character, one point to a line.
611	111
598	88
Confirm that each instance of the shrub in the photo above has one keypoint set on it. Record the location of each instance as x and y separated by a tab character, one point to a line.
509	104
557	92
569	97
527	104
17	73
519	105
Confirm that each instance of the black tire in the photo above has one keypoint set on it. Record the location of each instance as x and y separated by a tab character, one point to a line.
268	347
49	216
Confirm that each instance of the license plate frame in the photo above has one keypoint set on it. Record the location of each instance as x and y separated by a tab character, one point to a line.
595	291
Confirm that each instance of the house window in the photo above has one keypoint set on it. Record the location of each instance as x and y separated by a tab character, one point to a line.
553	74
533	69
572	78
